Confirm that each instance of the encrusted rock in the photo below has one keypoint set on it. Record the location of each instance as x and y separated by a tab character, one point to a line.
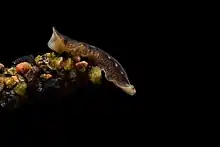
72	75
53	83
39	60
23	67
81	66
8	99
76	58
62	73
47	71
31	74
39	86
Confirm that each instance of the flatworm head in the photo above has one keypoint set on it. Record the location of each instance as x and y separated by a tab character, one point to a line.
60	43
56	43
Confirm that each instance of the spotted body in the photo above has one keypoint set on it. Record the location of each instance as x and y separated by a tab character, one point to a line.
114	72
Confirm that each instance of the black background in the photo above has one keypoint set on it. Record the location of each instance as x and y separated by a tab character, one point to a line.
134	35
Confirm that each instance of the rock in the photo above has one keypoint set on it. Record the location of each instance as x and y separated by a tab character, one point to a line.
32	74
53	83
39	86
76	58
23	67
81	66
8	99
72	75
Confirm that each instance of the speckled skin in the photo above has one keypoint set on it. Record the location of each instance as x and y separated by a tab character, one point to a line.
114	72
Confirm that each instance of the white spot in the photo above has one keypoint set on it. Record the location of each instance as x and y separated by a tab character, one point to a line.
109	57
92	46
116	64
3	104
122	72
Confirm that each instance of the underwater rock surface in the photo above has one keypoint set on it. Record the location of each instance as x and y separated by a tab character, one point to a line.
47	72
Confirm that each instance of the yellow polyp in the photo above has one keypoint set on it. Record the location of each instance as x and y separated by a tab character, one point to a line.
56	62
38	59
10	71
9	82
95	75
68	65
20	88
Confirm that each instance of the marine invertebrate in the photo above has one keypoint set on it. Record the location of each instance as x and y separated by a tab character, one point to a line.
114	72
95	75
